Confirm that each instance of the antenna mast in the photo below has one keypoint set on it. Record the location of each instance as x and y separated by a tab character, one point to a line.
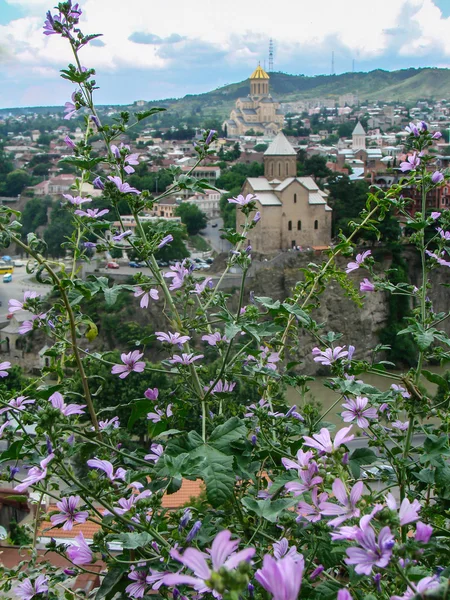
332	63
270	55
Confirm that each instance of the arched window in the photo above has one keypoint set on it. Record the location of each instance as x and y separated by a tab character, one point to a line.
271	169
279	168
299	225
290	225
316	224
287	167
295	198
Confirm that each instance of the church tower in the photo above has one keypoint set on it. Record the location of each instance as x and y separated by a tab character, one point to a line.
359	137
280	159
259	82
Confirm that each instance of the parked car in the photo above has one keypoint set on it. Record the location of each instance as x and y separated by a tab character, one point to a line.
7	278
214	225
112	265
9	316
134	265
209	261
19	263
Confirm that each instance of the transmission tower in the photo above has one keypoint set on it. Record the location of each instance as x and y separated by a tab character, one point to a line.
270	55
332	63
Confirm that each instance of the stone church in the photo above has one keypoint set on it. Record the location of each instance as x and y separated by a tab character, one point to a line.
258	111
294	211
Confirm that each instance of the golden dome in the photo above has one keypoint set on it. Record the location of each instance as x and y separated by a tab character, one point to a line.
259	73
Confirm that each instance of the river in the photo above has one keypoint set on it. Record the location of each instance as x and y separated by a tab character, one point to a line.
326	397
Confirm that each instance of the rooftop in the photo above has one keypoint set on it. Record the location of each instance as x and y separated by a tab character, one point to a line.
259	73
280	147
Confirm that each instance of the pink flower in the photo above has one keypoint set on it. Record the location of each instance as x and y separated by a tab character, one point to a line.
18	403
282	548
151	394
137	589
437	177
200	287
422	586
57	401
156	453
281	578
435	215
114	423
303	460
437	135
311	512
68	513
157	416
411	164
356	409
222	554
322	441
29	589
214	338
177	274
76	200
35	474
15	305
120	236
348	509
400	390
241	200
79	552
123	186
3	427
131	362
172	338
360	258
145	296
344	594
309	479
3	368
366	286
423	532
330	355
445	235
92	213
438	258
185	359
370	553
408	512
400	425
107	467
126	504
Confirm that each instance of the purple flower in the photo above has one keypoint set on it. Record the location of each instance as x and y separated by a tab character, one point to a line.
422	586
92	213
18	403
210	136
360	258
79	552
98	183
423	532
400	390
356	409
137	589
3	368
15	305
437	135
35	474
29	589
222	555
185	359
330	355
166	240
156	453
413	130
29	325
437	177
257	217
402	426
411	164
408	512
281	578
57	401
311	512
366	286
107	468
322	441
185	518
68	513
76	200
282	548
131	362
370	553
221	387
49	23
157	416
145	296
435	215
344	594
241	200
95	120
126	504
151	394
120	236
193	532
317	571
309	479
172	338
177	273
438	258
89	245
69	108
303	460
200	287
114	423
445	235
348	509
69	141
3	427
123	186
214	338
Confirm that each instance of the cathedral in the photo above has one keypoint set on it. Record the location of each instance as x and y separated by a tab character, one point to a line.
294	211
258	111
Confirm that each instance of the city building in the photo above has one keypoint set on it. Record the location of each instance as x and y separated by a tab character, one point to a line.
258	111
207	202
294	211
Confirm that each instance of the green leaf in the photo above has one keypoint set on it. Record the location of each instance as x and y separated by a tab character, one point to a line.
360	457
134	540
443	481
435	378
147	113
111	294
13	452
110	582
219	479
426	476
301	315
232	430
435	449
267	302
140	408
266	509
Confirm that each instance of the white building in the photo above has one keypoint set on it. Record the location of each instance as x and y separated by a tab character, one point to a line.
207	202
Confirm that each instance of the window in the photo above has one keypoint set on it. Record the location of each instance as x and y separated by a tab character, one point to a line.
290	225
294	244
271	169
279	168
299	225
287	168
316	224
295	198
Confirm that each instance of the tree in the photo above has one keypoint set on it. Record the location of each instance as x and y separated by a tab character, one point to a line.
316	166
44	139
347	199
42	169
15	182
34	215
260	147
61	227
176	250
191	216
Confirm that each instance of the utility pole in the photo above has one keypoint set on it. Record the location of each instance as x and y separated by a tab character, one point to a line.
271	55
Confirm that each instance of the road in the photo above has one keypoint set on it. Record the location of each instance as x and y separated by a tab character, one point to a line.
21	282
212	234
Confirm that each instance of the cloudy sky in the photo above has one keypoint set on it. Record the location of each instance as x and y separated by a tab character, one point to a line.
153	49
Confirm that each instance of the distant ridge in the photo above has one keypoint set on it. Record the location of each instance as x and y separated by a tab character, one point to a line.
406	85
